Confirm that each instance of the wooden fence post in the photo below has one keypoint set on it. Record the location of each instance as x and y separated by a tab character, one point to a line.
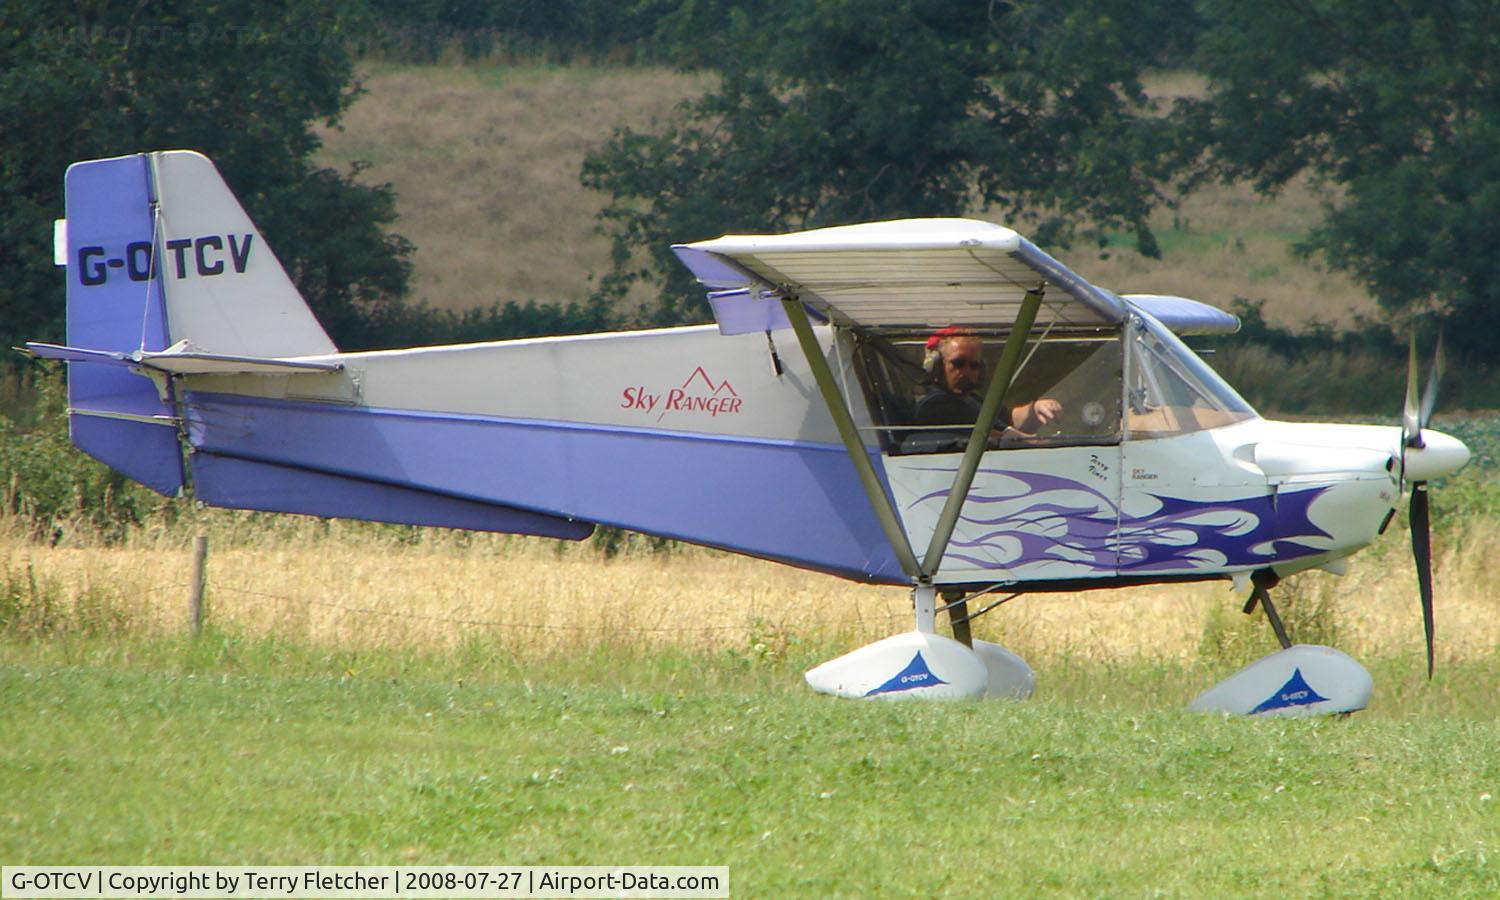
195	603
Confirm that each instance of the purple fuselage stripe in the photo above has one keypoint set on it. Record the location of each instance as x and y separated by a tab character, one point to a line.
794	502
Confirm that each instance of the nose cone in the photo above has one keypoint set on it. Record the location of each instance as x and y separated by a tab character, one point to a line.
1439	455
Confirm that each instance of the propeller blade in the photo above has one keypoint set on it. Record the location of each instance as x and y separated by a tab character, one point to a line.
1429	394
1411	427
1421	551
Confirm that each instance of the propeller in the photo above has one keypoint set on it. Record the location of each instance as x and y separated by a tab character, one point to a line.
1421	551
1415	415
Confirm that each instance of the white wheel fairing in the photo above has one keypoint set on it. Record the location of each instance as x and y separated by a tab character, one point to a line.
910	665
1303	680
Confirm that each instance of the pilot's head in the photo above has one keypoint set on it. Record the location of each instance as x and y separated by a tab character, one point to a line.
956	359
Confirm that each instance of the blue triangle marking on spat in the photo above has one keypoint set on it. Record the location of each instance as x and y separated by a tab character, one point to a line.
915	675
1296	692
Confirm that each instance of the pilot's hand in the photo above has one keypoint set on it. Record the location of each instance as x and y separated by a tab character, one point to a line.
1045	409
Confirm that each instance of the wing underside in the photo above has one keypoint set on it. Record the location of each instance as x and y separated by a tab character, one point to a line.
916	273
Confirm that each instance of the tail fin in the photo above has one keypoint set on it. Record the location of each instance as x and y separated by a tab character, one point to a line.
159	252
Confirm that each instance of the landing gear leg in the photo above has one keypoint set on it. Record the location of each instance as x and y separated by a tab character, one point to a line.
1262	582
958	617
924	604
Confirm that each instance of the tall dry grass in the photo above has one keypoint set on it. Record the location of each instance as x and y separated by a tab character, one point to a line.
485	160
351	585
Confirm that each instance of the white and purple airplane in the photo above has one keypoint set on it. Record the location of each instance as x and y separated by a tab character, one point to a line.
786	431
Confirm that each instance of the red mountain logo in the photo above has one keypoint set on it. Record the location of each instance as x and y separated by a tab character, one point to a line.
714	389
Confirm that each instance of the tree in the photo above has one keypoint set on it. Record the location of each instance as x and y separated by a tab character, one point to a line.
835	111
423	30
1394	106
240	80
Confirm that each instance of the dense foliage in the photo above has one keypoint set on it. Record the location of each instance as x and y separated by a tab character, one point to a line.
1397	107
49	488
418	325
424	30
243	81
836	111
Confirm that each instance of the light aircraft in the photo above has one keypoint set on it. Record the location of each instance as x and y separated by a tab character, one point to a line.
784	431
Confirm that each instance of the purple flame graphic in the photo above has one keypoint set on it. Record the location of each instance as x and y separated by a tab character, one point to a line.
1028	517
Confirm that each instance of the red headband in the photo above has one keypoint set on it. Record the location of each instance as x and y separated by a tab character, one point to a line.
950	331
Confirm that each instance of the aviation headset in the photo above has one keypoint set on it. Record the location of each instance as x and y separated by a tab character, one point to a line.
932	357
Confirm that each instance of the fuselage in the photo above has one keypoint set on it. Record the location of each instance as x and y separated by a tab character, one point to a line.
723	440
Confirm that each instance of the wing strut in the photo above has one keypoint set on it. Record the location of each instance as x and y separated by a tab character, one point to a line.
989	411
885	510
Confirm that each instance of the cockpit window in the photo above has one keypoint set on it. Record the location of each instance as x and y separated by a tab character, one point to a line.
1170	390
916	411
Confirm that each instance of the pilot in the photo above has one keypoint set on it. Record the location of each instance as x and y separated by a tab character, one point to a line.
955	358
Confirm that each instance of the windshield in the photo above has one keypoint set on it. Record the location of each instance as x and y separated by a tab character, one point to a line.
1169	390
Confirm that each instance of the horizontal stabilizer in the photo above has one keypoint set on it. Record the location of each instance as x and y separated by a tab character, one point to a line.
178	360
73	354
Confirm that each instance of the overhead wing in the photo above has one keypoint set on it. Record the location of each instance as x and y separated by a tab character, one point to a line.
909	273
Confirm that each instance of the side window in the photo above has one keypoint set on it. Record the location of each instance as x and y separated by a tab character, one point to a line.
1085	377
1083	374
1170	390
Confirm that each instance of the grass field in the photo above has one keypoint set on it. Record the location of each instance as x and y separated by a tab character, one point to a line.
370	695
223	751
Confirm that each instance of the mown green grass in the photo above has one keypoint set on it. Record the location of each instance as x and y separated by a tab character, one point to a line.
216	751
122	746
